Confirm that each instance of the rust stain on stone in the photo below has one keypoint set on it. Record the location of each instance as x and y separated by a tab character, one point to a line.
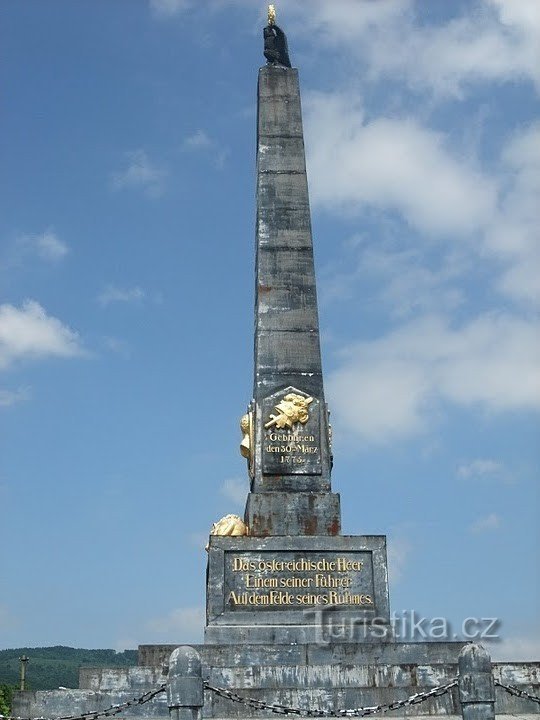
264	288
310	525
334	527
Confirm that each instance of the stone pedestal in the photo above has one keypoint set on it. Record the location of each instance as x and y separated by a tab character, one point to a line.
297	590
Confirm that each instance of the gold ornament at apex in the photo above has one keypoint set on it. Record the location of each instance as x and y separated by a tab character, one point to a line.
292	409
271	14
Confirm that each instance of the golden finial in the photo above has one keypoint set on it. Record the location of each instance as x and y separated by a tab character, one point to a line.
271	14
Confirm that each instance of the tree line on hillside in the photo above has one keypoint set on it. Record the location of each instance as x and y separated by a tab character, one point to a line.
51	667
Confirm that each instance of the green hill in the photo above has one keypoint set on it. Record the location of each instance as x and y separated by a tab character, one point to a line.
52	667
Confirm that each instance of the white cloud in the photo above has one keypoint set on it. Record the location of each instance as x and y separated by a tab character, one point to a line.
46	246
480	47
183	625
49	246
28	332
498	42
486	524
408	282
140	174
12	397
392	164
515	649
199	140
117	345
392	387
410	285
112	294
399	550
235	490
512	238
400	166
481	468
168	8
198	539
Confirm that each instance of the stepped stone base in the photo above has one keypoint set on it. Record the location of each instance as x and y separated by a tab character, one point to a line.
333	677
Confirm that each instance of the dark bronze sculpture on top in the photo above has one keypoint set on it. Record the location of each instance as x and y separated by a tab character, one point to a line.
275	42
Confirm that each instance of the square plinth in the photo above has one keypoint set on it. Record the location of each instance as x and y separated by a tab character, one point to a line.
297	589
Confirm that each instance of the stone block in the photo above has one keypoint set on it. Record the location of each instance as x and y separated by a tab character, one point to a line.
278	82
297	589
281	155
293	513
295	351
287	226
286	265
279	191
279	116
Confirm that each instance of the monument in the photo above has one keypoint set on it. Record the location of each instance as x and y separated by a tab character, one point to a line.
294	567
298	618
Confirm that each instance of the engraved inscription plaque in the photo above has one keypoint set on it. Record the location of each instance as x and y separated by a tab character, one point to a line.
291	442
280	580
297	580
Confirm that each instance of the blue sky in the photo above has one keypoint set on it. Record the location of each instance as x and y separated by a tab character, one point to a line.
126	281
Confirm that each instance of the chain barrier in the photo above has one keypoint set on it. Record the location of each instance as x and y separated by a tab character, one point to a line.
108	712
516	692
415	699
355	712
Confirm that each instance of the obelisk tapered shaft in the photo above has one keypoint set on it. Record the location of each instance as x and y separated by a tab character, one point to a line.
291	460
287	350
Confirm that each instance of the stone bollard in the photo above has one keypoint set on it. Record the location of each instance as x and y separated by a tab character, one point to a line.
185	695
476	686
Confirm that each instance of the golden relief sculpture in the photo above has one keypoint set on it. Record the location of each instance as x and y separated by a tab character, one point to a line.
271	15
292	409
229	526
246	424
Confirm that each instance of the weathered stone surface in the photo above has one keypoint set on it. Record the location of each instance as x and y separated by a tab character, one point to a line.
287	345
278	81
281	155
282	351
476	685
297	590
57	703
185	693
346	675
302	513
121	679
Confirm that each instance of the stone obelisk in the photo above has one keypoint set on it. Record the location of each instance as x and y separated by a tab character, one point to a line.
293	576
290	455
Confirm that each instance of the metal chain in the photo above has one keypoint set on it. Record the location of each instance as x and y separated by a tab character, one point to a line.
355	712
415	699
108	712
513	690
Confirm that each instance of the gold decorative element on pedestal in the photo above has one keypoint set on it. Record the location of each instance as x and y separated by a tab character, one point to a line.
271	15
229	526
292	409
246	426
